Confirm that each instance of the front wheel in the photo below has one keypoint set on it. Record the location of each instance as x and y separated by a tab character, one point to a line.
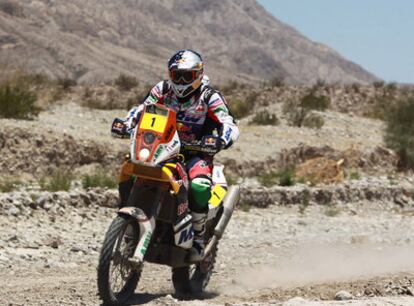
117	278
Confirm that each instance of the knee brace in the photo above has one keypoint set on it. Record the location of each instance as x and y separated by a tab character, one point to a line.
200	191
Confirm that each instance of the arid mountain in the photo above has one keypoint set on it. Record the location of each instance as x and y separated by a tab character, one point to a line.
96	40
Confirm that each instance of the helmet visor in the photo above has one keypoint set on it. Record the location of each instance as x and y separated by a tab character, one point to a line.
184	77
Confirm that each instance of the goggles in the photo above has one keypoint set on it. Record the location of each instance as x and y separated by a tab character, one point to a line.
184	77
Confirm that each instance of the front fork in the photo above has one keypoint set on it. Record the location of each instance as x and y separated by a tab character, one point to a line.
146	222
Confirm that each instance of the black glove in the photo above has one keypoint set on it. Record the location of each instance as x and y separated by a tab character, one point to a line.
212	144
119	128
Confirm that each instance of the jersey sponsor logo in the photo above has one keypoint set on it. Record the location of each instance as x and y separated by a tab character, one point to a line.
190	118
182	208
186	235
228	134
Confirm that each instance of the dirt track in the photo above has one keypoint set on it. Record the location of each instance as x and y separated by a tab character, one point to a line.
267	256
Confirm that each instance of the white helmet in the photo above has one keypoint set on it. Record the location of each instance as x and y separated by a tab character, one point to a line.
186	72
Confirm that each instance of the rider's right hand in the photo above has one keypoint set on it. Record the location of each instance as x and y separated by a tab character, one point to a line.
119	128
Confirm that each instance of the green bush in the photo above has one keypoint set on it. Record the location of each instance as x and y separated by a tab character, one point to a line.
101	178
17	101
126	82
9	185
239	109
399	132
305	201
264	118
297	113
312	101
313	121
354	175
59	181
281	178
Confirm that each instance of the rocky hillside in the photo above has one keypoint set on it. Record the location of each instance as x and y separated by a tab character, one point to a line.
96	40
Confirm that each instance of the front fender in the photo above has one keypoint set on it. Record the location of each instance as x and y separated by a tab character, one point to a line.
134	212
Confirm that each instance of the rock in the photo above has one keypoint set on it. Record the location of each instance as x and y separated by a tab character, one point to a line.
296	301
54	242
343	296
12	211
4	259
77	249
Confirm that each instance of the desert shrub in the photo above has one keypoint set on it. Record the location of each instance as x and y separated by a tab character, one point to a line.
305	201
391	87
264	118
399	132
311	101
313	121
239	108
281	178
17	101
11	8
101	178
232	86
66	83
139	97
332	211
244	206
231	180
297	113
9	185
59	181
356	87
276	82
378	84
126	82
354	175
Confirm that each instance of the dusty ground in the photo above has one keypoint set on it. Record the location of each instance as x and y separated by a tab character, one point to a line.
268	256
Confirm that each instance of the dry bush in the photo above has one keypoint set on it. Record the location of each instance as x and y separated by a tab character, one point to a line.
17	101
126	82
264	118
299	113
399	132
11	7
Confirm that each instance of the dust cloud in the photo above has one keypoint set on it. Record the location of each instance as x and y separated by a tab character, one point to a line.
324	263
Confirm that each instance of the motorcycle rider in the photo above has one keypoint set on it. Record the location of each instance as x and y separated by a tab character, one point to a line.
200	110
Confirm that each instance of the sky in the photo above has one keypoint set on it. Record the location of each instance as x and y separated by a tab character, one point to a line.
377	34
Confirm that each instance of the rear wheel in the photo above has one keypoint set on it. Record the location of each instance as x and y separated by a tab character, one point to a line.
117	279
193	280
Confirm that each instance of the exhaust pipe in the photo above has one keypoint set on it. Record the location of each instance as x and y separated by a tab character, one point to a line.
229	202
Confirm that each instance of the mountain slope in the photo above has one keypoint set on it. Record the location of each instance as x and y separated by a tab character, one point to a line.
95	40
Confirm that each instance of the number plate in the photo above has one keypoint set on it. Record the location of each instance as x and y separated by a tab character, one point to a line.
217	195
156	123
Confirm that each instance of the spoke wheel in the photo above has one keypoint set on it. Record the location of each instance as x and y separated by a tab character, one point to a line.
117	279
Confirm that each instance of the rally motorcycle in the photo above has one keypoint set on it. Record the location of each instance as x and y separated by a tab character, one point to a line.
156	224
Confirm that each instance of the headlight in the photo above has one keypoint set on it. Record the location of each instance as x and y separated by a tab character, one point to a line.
149	138
144	154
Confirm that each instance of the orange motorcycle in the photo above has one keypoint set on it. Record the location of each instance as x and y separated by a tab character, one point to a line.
156	225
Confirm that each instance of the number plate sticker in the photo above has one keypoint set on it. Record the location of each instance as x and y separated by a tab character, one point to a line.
153	122
217	195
